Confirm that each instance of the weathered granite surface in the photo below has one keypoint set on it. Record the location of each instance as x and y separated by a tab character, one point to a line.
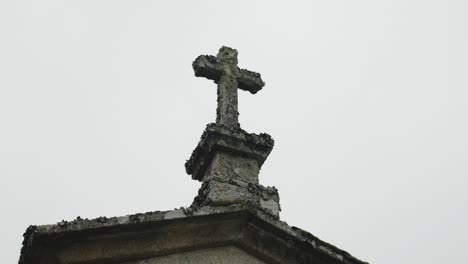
222	192
153	234
230	153
228	161
220	255
223	70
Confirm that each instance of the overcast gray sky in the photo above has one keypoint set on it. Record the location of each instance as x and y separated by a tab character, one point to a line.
367	102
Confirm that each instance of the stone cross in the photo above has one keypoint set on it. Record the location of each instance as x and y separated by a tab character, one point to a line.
223	70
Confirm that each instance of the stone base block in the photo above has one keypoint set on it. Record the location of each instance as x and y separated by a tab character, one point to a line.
229	152
221	192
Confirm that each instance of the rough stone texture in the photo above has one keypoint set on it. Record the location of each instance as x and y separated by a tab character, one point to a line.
228	161
212	68
245	149
223	70
154	234
221	192
221	255
228	166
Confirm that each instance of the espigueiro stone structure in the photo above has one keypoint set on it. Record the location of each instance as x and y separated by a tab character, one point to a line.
233	219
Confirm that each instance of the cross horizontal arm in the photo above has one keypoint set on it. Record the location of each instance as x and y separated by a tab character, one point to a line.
250	81
207	66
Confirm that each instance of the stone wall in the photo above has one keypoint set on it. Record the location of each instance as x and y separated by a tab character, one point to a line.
221	255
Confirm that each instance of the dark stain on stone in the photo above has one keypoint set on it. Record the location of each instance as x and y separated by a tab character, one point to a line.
101	219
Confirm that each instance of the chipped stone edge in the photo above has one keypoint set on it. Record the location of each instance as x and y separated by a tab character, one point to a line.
34	232
261	144
311	240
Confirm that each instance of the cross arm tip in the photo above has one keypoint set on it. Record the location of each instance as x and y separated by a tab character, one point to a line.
206	66
250	81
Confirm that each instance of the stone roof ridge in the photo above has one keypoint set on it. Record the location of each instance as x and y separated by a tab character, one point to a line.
322	245
312	240
34	234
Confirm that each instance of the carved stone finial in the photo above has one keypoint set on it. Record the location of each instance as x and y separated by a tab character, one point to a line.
228	159
223	70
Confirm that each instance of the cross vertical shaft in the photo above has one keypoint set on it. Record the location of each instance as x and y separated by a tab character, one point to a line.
227	112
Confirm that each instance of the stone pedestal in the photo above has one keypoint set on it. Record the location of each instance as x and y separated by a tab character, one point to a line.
228	162
229	153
